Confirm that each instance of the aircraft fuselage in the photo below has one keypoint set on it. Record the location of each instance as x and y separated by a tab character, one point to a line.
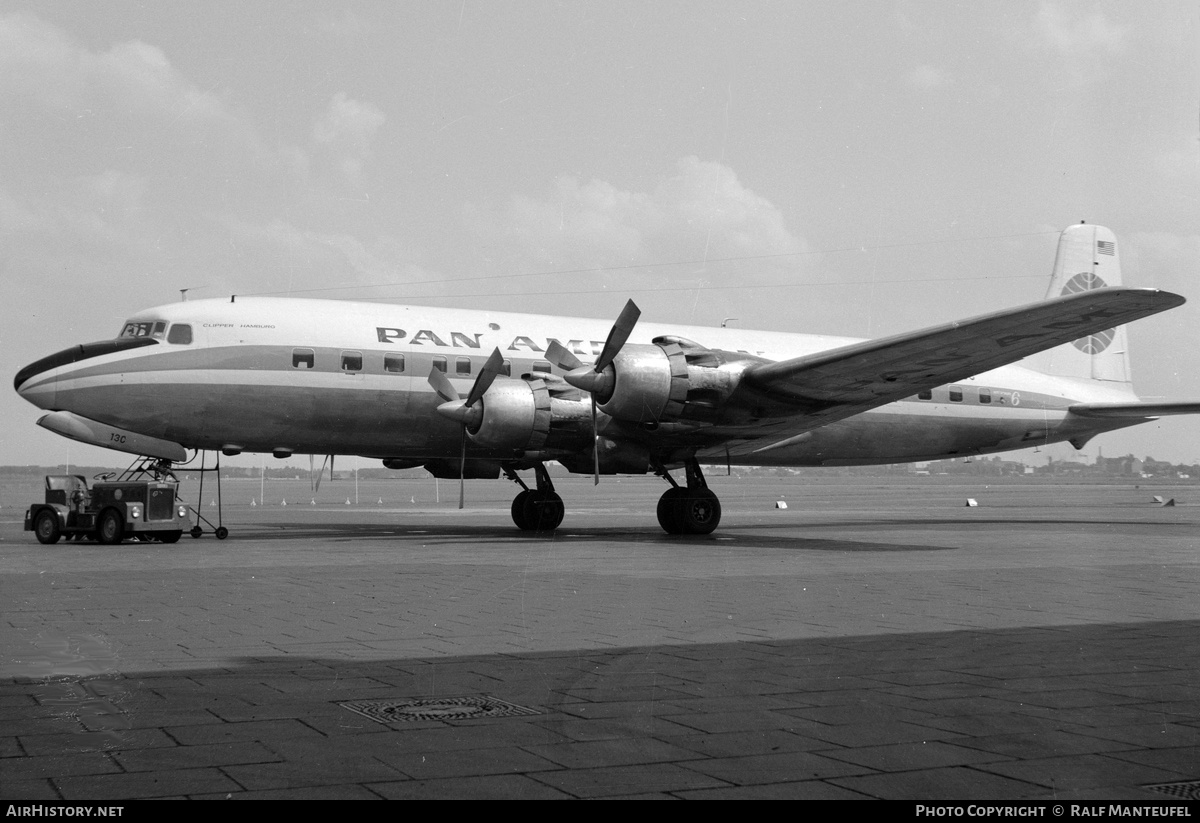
331	377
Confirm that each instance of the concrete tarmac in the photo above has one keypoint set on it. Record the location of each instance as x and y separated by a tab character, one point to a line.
875	639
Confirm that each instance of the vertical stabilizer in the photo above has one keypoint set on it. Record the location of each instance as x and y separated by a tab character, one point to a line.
1088	258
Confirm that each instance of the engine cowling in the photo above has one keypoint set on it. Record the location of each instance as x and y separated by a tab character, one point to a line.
515	414
649	383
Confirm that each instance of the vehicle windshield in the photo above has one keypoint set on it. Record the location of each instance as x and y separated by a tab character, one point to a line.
144	328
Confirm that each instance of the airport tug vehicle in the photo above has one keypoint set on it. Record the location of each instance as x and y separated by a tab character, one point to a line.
147	508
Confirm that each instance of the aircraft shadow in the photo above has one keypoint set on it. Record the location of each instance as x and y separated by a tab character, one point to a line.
733	538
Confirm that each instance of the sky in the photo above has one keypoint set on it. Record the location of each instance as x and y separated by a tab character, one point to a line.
854	169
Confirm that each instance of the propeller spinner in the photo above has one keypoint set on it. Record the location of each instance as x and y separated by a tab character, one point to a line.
597	379
468	412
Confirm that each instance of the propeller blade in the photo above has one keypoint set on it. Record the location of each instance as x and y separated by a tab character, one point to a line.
462	470
559	355
617	336
442	385
595	445
319	475
486	377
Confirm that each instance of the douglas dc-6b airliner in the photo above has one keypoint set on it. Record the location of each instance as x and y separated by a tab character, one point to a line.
473	394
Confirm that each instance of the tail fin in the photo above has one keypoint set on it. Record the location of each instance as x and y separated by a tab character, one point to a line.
1088	258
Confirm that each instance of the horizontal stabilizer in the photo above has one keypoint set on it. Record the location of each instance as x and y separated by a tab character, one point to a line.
1133	410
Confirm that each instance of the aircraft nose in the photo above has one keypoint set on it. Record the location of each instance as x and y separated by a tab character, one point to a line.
36	382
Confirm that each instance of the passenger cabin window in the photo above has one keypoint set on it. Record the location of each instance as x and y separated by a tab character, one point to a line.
985	395
956	394
180	333
303	358
542	366
439	362
925	395
352	361
462	365
393	363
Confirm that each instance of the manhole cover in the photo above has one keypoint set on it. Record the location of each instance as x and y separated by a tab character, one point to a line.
1188	789
444	708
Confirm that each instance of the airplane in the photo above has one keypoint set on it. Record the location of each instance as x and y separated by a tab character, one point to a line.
477	394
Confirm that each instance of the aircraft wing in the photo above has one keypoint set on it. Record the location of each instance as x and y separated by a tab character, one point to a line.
1137	411
840	382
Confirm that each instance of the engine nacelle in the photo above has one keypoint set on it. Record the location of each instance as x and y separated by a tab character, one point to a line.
515	415
650	384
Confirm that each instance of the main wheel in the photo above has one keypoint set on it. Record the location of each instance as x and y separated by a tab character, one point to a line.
518	510
169	537
667	506
535	511
46	527
697	511
112	527
544	511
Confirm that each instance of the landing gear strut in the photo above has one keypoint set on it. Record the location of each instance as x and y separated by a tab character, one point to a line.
691	510
540	509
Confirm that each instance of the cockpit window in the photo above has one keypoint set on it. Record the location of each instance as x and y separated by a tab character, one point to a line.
180	333
144	329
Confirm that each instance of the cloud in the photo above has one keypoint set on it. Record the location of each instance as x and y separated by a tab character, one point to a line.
926	78
1074	32
131	89
41	63
346	130
701	212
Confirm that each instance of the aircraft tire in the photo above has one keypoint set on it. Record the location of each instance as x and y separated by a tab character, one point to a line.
169	537
518	510
697	511
112	527
667	506
543	511
46	527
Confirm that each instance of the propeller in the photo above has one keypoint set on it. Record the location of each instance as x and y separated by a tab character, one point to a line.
600	377
314	476
467	412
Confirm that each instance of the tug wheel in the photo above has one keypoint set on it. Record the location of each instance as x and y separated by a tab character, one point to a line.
112	527
46	528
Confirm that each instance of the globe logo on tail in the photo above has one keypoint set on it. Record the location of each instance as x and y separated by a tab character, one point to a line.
1093	343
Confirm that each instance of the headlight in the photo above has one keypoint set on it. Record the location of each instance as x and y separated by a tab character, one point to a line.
134	513
182	512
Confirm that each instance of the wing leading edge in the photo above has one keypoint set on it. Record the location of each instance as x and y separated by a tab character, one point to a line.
840	382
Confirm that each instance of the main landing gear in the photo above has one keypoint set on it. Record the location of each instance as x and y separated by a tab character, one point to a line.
540	509
693	509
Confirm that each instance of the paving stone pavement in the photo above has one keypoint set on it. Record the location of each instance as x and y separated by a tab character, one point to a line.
901	648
